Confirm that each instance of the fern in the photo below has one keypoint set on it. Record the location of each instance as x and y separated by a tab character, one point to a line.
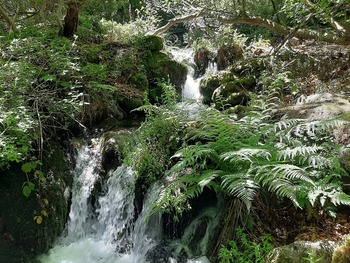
240	186
291	172
291	153
245	154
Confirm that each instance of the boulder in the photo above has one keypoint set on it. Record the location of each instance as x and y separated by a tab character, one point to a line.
298	251
227	54
207	87
152	43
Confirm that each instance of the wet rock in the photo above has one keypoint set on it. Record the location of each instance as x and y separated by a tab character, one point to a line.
207	87
201	59
320	106
227	54
159	254
299	250
152	43
18	223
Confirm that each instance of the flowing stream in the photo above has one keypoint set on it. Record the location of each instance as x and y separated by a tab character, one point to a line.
102	227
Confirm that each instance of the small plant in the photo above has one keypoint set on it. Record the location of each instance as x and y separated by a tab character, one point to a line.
243	250
312	257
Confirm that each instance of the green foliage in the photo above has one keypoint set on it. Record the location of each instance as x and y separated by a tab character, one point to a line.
157	138
243	250
290	159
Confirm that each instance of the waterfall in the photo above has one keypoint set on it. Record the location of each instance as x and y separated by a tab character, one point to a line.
108	233
191	88
102	225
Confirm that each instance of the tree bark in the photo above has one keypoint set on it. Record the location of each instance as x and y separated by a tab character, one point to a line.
70	26
8	19
342	39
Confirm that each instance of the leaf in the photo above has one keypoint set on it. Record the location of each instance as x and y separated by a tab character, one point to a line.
31	186
26	191
46	202
28	167
39	174
38	219
44	213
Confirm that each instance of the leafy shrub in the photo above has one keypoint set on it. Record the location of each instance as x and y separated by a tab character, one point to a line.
244	251
157	138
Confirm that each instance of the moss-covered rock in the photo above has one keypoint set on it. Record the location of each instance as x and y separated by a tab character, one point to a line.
152	43
297	251
18	212
140	81
207	87
342	254
227	54
160	66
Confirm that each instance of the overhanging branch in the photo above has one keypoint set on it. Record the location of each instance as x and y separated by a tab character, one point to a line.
262	22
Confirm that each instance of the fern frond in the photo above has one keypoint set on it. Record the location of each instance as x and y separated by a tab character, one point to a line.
335	196
287	171
207	177
245	154
282	188
240	186
319	162
286	124
291	153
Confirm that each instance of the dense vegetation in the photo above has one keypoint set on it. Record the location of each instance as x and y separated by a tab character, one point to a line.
67	66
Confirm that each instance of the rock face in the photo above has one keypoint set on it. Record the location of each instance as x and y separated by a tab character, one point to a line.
320	106
299	250
17	211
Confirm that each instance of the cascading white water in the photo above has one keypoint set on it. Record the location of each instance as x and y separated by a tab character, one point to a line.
108	234
191	88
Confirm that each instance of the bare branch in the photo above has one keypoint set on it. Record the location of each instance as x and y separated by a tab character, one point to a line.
8	19
262	22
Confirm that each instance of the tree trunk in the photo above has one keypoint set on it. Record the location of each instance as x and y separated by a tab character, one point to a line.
71	19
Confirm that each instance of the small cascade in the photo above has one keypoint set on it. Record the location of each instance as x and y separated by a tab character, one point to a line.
86	174
107	234
191	88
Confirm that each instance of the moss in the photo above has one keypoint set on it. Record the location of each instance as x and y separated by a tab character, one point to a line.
140	81
152	43
342	254
207	87
11	254
91	53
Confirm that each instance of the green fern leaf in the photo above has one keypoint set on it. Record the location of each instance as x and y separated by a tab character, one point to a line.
207	177
292	153
240	186
288	171
245	154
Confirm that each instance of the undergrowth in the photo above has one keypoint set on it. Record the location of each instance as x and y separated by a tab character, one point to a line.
293	159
